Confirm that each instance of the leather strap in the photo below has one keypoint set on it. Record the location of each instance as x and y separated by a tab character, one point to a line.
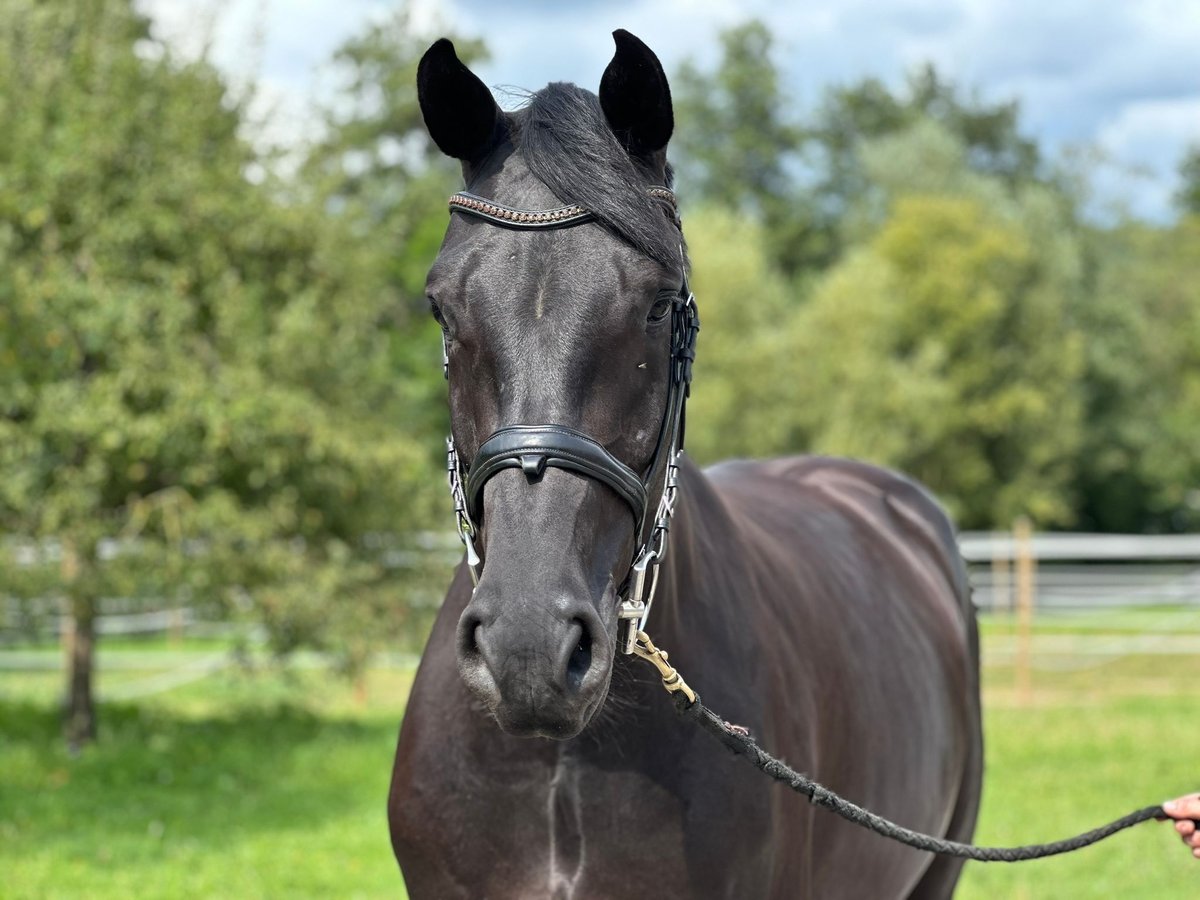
537	219
531	448
498	214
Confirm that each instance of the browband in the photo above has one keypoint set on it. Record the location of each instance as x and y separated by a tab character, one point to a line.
560	217
532	448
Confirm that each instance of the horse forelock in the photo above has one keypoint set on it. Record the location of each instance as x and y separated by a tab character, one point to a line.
564	139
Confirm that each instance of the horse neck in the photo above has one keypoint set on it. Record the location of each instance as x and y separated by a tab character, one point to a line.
697	508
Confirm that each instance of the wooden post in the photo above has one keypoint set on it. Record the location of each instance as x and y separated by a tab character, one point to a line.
1001	590
1024	565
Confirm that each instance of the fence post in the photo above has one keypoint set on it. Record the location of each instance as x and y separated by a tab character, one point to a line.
1024	565
1001	593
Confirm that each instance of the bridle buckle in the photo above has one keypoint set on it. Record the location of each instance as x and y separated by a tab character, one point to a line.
635	608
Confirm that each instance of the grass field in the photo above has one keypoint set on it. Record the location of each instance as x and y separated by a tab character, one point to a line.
272	784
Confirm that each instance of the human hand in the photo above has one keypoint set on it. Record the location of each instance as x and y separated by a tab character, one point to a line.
1186	812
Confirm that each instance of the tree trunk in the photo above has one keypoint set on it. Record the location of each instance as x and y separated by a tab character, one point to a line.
79	722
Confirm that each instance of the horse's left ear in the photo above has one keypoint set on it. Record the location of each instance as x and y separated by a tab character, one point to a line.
635	97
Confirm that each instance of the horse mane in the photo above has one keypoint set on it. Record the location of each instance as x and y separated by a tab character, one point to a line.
565	140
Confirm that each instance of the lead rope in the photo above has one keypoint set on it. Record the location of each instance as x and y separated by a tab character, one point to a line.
738	740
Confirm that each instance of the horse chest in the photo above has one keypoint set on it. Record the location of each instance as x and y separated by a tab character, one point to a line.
588	832
566	851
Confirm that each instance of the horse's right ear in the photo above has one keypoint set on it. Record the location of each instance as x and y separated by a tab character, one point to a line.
459	110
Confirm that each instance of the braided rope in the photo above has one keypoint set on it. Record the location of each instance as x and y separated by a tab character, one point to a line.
739	741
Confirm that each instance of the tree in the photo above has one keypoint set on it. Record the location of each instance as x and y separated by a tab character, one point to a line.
745	308
855	117
736	141
1138	469
376	173
1188	196
739	144
734	138
374	164
197	398
945	345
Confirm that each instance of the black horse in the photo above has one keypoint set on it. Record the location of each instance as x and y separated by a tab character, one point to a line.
819	602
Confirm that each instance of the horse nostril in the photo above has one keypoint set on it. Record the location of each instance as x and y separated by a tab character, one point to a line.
470	634
581	657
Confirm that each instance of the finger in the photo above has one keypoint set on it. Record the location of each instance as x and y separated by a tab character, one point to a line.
1185	826
1187	807
1193	840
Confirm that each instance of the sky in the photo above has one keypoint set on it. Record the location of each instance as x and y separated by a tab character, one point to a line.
1120	75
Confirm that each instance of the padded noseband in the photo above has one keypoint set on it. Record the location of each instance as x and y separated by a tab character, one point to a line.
531	448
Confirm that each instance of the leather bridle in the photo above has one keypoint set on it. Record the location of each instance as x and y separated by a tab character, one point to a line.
534	448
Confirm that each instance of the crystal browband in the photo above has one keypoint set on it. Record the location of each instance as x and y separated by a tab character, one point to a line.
563	216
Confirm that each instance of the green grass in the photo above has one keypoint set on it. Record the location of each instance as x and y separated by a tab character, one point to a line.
237	786
273	784
1088	749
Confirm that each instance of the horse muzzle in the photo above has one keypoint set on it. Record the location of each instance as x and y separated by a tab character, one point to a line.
541	668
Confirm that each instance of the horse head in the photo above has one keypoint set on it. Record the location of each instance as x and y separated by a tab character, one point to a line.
558	288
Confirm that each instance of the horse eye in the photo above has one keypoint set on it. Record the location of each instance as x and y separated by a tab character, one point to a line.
662	306
437	314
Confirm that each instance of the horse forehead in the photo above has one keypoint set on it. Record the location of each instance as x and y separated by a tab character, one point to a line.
524	287
582	261
508	180
546	334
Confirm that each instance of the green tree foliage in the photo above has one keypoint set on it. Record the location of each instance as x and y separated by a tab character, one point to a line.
737	144
952	312
851	116
374	163
743	359
734	138
1188	196
741	146
945	345
1140	470
858	116
196	392
377	175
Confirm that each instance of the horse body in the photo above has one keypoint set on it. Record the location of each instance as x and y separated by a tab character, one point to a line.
820	603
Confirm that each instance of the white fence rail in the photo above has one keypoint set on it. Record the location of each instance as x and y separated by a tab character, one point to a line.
1085	571
1072	572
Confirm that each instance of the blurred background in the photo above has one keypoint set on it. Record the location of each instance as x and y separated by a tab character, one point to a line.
959	239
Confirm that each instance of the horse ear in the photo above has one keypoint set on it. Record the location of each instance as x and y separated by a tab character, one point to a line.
459	110
635	97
